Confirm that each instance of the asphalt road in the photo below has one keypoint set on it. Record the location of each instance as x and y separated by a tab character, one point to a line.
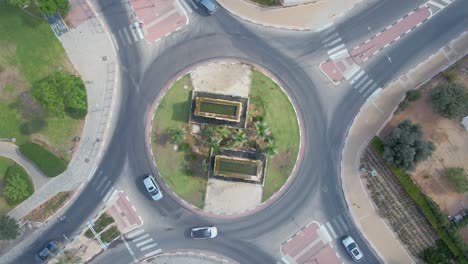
326	112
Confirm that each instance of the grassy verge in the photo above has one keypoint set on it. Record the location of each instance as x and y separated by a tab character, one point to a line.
264	93
29	52
267	2
173	111
4	165
103	221
110	234
47	162
431	211
45	210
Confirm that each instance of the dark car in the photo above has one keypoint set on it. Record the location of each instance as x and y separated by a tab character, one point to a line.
209	6
204	232
50	249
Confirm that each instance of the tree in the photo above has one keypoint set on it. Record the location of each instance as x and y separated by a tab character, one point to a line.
19	3
214	145
17	189
8	228
239	138
450	101
50	7
271	149
48	95
177	135
458	178
404	147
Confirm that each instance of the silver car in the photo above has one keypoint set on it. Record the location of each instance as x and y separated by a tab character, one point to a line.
152	187
352	248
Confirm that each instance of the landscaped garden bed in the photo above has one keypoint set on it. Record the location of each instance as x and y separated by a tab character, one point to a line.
182	150
100	224
47	209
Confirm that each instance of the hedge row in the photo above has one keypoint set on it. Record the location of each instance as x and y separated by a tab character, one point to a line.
431	211
47	162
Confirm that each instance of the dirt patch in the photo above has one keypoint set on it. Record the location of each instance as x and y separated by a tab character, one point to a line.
47	209
28	107
11	83
451	142
231	79
230	197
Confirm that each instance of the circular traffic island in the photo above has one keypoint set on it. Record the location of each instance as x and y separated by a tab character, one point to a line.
225	137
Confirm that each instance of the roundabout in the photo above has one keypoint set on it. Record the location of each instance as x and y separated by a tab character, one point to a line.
181	148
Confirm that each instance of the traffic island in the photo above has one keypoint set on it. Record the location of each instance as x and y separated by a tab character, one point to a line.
229	110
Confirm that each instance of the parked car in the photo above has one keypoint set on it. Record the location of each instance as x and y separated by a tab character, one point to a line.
152	187
352	248
50	249
209	6
204	232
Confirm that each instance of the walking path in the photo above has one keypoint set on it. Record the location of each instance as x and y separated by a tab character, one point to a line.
11	151
313	16
97	65
367	123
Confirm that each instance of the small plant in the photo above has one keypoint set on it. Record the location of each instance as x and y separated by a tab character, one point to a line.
177	135
450	101
458	178
110	234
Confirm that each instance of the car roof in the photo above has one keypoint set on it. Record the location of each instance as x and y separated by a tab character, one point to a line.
209	4
149	182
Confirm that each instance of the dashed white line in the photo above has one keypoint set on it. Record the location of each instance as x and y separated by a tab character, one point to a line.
130	250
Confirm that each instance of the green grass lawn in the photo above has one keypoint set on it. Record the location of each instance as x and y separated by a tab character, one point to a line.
29	48
173	111
4	165
267	2
284	128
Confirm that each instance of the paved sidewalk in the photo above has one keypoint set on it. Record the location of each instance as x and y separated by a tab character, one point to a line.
367	123
313	16
11	151
97	65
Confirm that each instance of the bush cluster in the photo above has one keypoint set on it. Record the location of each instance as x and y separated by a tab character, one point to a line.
431	211
62	94
18	187
450	101
47	162
8	228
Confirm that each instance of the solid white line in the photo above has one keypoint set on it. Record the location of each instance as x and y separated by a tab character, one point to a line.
340	55
336	49
137	26
114	41
127	35
122	37
333	42
130	250
186	6
352	72
332	36
361	81
135	38
135	233
148	247
357	77
141	238
331	229
153	253
149	240
436	4
364	87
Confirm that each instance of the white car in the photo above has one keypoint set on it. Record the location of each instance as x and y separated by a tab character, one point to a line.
204	232
152	187
352	248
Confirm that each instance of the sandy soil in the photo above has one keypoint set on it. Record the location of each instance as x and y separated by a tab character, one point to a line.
451	142
230	197
232	79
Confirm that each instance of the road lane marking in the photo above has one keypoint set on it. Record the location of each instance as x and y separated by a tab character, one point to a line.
148	247
153	253
329	44
130	250
361	81
132	27
147	241
357	77
105	188
448	2
371	89
352	72
335	49
342	221
364	87
331	229
141	238
109	194
103	180
140	33
127	35
135	233
436	4
332	36
115	41
122	37
193	4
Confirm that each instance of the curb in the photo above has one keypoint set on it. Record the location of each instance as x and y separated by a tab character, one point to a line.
275	197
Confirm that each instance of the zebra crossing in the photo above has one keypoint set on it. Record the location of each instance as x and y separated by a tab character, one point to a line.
103	186
336	47
437	5
337	227
127	35
361	81
143	242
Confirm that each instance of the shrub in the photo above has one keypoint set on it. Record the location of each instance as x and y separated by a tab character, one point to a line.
458	178
450	101
50	7
110	234
103	221
8	228
18	187
47	162
404	147
62	93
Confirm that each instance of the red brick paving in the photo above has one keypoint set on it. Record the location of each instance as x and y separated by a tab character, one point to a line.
331	71
317	248
79	12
